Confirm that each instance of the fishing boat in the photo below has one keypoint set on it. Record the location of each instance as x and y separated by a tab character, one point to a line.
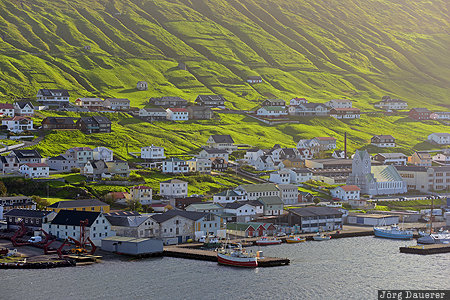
321	237
237	257
392	232
293	239
435	238
265	241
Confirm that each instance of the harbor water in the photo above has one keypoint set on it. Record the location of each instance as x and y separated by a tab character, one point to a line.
350	268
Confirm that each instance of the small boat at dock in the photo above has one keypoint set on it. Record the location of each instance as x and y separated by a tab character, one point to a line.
321	237
237	257
293	239
265	241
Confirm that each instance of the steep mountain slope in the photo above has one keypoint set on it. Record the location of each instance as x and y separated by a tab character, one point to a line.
319	49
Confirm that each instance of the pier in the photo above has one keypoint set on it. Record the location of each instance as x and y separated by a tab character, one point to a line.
426	249
207	255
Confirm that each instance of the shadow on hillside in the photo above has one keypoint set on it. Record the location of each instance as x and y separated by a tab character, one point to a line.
404	120
128	91
424	146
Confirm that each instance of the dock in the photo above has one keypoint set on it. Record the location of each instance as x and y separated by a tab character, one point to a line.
207	255
426	249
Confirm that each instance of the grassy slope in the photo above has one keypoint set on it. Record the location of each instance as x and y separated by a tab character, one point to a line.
187	137
319	49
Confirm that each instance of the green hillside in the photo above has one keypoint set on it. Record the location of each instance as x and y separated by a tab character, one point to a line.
181	138
317	49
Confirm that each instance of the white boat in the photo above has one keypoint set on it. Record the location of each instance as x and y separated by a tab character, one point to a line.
435	238
321	237
392	232
237	257
265	241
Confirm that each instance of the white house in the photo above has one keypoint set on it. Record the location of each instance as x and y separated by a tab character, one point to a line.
177	114
103	153
345	113
152	153
211	153
228	196
308	109
339	103
18	124
255	191
142	85
439	138
221	141
174	166
153	113
288	193
383	141
67	224
117	103
53	96
300	175
89	102
391	104
281	177
263	163
23	108
442	158
6	110
397	159
272	111
81	154
142	193
253	154
297	101
34	170
202	165
346	192
440	115
173	188
242	211
326	142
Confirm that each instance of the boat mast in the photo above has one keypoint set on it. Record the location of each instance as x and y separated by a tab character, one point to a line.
431	215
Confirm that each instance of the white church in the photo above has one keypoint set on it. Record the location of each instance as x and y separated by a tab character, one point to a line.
375	180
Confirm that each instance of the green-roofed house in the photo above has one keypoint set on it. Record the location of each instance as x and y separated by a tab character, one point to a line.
241	229
273	205
272	111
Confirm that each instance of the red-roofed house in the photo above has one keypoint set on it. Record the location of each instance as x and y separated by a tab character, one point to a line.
6	110
18	124
177	114
34	170
141	193
326	142
346	192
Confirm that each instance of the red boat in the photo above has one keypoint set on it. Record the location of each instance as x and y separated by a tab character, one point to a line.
265	241
237	257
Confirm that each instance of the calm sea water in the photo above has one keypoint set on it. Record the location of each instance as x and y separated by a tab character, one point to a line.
352	268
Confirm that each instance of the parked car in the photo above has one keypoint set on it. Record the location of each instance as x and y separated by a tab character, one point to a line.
35	239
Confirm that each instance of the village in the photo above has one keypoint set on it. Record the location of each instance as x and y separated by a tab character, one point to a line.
311	187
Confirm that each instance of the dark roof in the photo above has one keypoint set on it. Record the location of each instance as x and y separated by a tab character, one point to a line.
29	213
411	168
60	120
73	217
130	221
234	205
192	215
26	154
210	98
420	109
60	157
98	164
154	109
215	151
315	211
77	203
95	119
222	138
52	92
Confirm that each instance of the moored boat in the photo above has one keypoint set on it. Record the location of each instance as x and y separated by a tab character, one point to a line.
321	237
392	232
265	241
435	238
293	239
237	257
